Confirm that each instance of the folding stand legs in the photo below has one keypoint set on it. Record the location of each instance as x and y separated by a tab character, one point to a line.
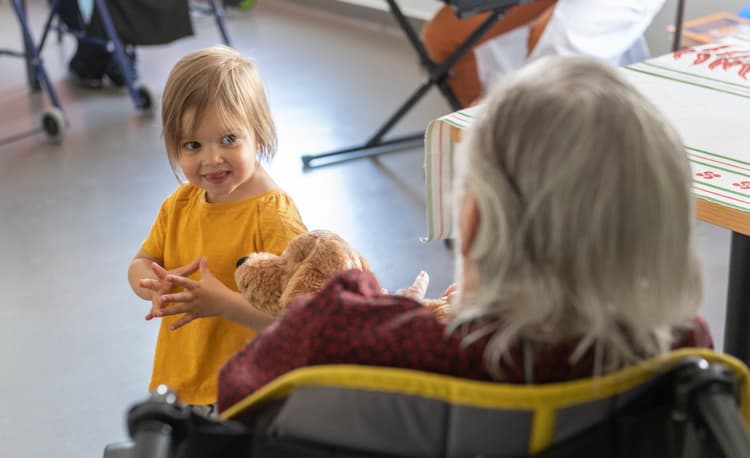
437	76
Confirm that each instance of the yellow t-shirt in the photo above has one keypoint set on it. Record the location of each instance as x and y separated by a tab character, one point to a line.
188	359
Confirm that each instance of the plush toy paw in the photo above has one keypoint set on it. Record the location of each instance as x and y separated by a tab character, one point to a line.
441	308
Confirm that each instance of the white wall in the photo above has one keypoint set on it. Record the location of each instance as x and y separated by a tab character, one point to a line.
421	9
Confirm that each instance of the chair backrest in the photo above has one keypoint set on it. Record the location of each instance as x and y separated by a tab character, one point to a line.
402	412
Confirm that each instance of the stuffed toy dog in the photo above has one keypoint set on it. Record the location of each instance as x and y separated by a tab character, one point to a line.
270	282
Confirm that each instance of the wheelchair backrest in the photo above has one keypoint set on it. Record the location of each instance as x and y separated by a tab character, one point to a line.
401	412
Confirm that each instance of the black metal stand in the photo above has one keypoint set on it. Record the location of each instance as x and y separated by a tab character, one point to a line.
437	76
678	25
736	332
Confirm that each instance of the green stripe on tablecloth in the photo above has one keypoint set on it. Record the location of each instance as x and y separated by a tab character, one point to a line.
687	82
650	64
464	114
455	123
720	168
717	155
731	191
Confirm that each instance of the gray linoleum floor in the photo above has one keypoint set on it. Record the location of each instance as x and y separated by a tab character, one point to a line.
75	350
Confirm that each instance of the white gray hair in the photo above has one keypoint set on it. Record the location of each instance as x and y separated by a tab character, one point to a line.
585	215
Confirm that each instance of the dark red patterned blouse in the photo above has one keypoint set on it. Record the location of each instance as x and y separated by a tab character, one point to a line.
352	322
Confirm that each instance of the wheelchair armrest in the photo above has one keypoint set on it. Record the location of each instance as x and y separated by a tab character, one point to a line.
162	427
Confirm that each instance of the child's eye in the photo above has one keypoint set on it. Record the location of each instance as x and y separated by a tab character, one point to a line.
191	146
228	139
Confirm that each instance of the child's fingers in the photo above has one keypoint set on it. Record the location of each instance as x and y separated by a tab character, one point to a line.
174	309
177	297
182	281
158	270
189	269
187	318
149	283
156	304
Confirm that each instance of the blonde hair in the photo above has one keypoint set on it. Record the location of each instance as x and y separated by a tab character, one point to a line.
217	77
585	215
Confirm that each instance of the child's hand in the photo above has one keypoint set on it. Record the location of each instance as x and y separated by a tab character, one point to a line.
201	298
161	285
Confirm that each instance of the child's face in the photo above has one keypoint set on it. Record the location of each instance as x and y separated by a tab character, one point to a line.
218	160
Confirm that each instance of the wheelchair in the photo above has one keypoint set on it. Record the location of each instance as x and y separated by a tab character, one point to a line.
688	403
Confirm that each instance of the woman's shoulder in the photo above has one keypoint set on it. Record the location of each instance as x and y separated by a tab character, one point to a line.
695	333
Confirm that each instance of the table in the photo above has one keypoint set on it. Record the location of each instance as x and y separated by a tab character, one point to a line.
705	92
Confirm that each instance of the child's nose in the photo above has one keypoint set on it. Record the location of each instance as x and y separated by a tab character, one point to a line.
212	157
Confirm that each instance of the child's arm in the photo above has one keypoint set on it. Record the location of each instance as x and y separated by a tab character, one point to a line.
209	297
140	268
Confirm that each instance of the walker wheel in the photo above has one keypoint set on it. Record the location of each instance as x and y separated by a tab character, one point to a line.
53	124
146	99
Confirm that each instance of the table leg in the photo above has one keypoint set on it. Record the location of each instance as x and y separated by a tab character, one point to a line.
737	324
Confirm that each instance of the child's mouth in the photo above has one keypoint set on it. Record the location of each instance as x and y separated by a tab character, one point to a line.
216	178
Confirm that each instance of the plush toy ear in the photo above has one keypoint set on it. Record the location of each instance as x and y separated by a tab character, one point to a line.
260	280
364	265
306	279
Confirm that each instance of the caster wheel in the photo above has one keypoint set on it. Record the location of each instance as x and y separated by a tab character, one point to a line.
146	99
53	124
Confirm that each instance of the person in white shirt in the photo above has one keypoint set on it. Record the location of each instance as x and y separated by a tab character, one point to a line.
610	30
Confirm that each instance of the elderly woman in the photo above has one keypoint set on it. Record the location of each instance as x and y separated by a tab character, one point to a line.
575	254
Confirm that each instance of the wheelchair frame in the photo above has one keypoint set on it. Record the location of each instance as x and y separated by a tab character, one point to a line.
694	402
